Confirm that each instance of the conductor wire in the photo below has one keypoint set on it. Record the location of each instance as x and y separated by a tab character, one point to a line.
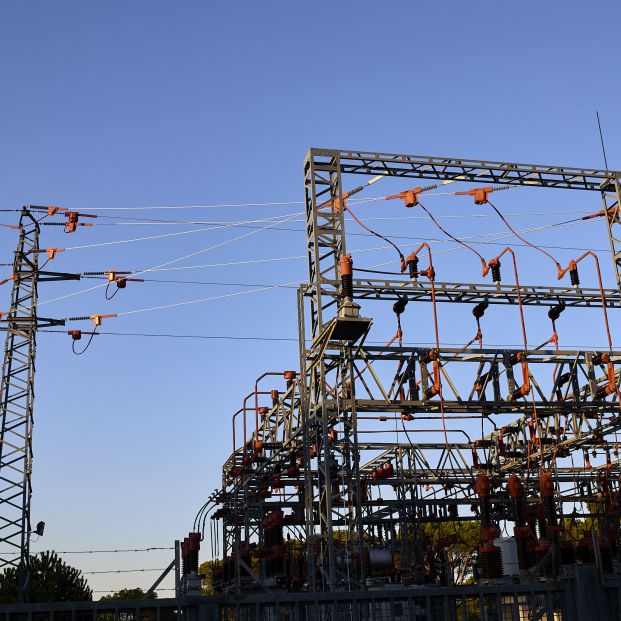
547	254
366	228
459	241
88	344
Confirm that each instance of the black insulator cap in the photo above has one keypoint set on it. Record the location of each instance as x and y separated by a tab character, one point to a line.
555	312
573	276
479	310
399	306
496	272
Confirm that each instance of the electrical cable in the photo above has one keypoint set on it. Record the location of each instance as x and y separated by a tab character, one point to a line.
111	551
567	347
201	300
167	263
459	241
123	571
159	268
127	221
278	219
366	228
547	254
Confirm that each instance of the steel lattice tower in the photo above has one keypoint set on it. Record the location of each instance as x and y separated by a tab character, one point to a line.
17	393
16	406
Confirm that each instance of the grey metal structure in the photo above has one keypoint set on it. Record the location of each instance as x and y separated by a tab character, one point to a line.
366	445
17	392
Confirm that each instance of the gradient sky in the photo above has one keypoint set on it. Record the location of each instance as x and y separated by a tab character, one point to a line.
134	104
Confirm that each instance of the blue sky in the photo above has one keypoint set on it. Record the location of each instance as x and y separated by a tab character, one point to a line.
124	105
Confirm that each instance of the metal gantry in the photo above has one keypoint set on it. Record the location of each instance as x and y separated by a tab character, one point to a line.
372	445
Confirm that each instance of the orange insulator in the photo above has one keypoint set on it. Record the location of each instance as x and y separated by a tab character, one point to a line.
479	194
546	485
290	375
388	470
246	460
514	486
332	436
483	486
407	416
258	446
375	475
263	411
346	265
313	451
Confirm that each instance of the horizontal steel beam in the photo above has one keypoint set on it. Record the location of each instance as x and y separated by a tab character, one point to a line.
457	169
472	293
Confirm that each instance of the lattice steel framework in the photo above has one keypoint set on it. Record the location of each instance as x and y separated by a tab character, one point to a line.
17	397
17	392
537	422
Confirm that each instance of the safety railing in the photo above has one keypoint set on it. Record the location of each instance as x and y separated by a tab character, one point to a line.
537	601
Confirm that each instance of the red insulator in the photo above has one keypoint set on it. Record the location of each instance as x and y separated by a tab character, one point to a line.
546	485
514	486
389	471
483	486
258	446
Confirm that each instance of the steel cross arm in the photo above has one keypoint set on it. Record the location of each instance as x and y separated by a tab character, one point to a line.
482	408
29	323
45	276
473	293
487	354
584	440
457	169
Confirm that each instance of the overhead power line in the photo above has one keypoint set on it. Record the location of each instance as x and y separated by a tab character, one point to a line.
123	571
111	551
172	261
294	340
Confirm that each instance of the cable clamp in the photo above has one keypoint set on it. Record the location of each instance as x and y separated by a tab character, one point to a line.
98	319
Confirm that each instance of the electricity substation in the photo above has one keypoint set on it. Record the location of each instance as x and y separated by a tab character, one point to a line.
353	477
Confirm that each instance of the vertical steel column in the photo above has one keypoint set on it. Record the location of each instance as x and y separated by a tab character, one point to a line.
309	490
325	246
16	403
611	196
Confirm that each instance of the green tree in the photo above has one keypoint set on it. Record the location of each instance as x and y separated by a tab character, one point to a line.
459	540
137	593
206	570
51	580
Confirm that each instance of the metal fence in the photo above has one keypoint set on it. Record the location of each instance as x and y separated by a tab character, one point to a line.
508	602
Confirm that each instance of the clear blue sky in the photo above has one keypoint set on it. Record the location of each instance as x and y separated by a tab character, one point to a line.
117	104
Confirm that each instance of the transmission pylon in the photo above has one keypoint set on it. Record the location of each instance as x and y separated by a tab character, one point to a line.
17	394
